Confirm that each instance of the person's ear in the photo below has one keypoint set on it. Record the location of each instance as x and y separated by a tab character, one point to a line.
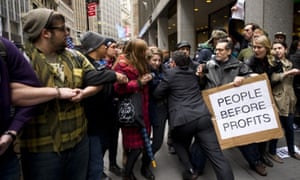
45	33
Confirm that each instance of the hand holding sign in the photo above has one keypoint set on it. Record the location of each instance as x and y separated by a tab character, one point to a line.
244	114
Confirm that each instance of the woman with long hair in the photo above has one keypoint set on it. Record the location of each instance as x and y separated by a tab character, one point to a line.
134	65
261	62
157	108
285	99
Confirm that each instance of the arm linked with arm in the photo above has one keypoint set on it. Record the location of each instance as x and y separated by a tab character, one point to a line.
25	95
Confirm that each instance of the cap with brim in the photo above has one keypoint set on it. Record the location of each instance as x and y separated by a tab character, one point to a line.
279	34
183	44
217	34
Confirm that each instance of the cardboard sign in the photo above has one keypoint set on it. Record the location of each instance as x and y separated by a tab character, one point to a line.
245	114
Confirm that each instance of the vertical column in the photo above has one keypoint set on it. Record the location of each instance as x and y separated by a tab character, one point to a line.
271	15
152	37
162	32
8	21
20	24
185	22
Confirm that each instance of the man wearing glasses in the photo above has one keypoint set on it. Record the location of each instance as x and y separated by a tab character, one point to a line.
54	145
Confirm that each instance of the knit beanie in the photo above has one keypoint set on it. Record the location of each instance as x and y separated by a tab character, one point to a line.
34	21
91	41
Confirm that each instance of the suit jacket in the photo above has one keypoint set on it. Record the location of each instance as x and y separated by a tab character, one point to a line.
185	101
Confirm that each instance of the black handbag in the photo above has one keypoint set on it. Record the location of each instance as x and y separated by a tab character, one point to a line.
130	111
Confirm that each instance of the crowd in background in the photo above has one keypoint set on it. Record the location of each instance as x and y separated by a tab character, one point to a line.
62	102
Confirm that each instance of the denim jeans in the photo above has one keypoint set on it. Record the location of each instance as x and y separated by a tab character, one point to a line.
9	165
99	144
70	164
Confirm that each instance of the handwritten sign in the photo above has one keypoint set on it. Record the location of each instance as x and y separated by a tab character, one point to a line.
244	114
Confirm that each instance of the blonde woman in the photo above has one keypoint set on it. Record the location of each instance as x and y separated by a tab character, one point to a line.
263	62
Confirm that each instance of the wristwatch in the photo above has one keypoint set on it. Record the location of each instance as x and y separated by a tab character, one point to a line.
12	135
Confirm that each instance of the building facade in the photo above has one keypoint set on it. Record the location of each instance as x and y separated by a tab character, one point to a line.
108	14
108	17
10	13
166	22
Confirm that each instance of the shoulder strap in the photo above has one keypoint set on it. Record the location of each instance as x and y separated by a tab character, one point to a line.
3	53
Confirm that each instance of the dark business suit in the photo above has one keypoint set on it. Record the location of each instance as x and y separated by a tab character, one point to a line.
189	117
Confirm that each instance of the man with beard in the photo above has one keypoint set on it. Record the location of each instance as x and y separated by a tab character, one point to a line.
54	145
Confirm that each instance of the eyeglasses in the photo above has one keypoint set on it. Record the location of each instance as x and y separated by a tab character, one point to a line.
59	28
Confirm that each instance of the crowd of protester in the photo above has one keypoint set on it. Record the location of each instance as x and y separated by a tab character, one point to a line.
61	104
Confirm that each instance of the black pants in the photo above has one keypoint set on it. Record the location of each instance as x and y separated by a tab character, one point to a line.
132	156
202	130
251	153
9	165
158	131
113	148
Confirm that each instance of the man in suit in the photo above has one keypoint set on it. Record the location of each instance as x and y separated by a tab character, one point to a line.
186	122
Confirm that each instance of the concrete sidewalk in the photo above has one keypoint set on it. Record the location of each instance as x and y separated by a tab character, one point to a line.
169	167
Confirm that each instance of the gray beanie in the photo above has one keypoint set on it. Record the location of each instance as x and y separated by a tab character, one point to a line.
34	21
91	41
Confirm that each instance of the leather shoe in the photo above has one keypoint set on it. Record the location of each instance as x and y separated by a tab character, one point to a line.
295	156
115	169
147	173
275	158
266	161
189	175
260	169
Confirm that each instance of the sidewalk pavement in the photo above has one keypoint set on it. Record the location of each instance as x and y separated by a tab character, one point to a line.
169	167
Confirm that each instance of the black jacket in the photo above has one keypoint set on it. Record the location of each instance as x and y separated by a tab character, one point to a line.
267	65
295	58
185	102
100	108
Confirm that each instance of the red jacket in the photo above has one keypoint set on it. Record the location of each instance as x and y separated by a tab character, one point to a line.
132	136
